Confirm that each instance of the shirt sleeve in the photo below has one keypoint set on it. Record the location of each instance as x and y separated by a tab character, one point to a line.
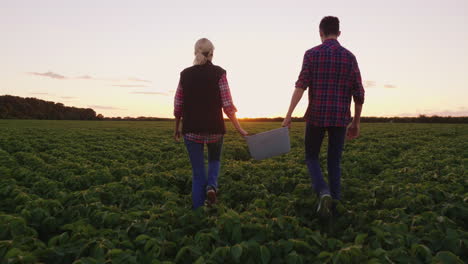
226	99
179	101
358	89
304	78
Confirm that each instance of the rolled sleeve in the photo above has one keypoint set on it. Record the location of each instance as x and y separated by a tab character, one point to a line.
230	110
179	101
303	81
226	98
358	89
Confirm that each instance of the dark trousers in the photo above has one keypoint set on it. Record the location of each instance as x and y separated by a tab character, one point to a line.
313	141
201	182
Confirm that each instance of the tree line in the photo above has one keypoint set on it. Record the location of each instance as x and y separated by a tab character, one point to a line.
371	119
15	107
419	119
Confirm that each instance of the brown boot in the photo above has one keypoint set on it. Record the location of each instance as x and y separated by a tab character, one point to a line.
211	197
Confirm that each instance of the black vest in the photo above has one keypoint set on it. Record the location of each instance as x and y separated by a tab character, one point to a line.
202	112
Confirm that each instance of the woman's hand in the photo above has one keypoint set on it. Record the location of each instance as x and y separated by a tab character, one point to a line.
243	132
177	135
177	129
237	125
287	122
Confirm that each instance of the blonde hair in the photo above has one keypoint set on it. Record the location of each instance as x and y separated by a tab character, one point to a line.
203	51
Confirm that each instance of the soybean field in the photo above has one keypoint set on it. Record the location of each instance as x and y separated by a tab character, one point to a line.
87	192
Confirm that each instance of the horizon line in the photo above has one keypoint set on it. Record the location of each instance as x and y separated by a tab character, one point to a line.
243	118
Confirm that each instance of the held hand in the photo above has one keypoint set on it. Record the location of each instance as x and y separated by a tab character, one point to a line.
353	131
243	132
287	122
177	135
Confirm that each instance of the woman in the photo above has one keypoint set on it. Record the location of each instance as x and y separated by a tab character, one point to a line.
202	94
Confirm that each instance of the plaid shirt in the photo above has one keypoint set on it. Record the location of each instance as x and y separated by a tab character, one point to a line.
227	105
332	73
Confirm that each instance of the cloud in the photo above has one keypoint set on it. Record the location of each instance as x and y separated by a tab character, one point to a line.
449	113
67	97
373	84
85	77
130	85
369	84
40	93
138	80
150	93
460	111
49	75
103	107
54	75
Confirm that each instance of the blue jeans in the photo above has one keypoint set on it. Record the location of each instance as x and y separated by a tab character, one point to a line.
200	182
313	141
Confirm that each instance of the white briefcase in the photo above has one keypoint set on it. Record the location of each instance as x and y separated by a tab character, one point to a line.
270	143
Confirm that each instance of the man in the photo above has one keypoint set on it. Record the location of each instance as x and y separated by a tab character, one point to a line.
332	75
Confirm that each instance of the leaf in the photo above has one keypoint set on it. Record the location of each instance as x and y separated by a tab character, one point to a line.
142	237
302	246
324	254
14	252
220	253
149	245
237	233
378	252
446	257
182	253
331	243
316	238
336	258
3	250
422	250
373	261
360	239
293	258
287	246
53	241
200	260
265	254
87	260
97	252
236	252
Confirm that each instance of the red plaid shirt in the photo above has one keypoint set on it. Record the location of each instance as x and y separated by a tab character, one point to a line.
227	105
332	73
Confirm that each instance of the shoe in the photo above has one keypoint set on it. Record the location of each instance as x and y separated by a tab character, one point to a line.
211	197
324	208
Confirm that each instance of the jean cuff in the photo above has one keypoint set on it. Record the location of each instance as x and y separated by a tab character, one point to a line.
323	192
211	187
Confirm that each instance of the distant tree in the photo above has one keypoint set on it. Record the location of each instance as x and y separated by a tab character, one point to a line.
14	107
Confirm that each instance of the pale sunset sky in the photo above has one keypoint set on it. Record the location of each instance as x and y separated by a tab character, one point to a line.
123	58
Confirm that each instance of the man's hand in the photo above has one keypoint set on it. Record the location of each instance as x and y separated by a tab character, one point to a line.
177	135
353	131
287	122
297	95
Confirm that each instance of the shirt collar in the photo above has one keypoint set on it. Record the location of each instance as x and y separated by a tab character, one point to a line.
331	41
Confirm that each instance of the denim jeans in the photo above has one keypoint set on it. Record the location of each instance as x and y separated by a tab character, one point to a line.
201	182
313	141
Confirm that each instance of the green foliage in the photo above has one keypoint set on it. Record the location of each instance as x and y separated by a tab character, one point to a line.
15	107
120	192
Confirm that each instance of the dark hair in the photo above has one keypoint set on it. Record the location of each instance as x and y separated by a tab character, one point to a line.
330	25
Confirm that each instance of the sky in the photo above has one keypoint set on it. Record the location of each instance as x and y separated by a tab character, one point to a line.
123	58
